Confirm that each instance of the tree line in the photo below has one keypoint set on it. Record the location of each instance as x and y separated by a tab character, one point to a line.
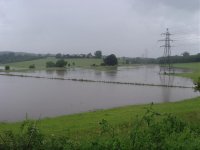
97	54
185	58
8	57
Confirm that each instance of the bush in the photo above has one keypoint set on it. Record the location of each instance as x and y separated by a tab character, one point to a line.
32	66
197	85
50	64
61	63
102	64
30	138
7	67
163	131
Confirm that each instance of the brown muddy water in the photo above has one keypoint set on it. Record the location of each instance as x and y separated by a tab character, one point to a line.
48	98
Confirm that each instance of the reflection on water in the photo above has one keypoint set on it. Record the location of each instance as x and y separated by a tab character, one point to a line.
61	73
139	74
98	74
167	80
50	72
111	74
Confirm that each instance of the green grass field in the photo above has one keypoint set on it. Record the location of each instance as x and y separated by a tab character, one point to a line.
41	63
195	67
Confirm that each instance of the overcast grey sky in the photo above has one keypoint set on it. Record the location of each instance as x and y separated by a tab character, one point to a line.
123	27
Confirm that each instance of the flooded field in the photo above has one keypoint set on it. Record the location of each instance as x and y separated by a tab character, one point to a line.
47	98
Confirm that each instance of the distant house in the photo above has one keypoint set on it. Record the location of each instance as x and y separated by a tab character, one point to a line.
89	55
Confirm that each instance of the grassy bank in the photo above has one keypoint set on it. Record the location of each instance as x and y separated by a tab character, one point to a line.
86	124
40	64
195	67
159	126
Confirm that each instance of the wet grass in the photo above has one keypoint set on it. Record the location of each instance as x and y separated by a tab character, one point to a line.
195	67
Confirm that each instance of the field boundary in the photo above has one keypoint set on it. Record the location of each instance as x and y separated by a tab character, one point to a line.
97	81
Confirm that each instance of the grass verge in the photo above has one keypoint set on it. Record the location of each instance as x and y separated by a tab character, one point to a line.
80	124
195	67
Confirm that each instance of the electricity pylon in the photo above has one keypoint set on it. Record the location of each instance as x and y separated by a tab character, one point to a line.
166	66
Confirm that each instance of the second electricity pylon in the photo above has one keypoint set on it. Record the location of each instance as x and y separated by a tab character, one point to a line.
166	66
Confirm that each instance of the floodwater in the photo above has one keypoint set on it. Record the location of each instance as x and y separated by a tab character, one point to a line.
137	74
47	98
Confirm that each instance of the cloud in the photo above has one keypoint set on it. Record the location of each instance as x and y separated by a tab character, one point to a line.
123	27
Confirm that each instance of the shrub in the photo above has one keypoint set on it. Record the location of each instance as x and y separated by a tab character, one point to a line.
50	64
197	85
7	67
30	138
32	66
163	131
61	63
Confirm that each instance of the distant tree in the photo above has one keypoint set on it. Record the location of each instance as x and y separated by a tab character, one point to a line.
127	61
61	63
111	60
32	66
185	54
7	67
98	54
59	55
50	64
89	55
7	57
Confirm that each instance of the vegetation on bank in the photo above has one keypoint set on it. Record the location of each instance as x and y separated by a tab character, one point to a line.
184	58
110	60
59	63
7	67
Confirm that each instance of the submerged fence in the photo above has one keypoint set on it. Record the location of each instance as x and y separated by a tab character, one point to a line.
97	81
